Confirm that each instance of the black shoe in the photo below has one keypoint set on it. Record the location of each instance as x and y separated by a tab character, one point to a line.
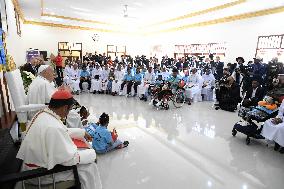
94	92
282	151
277	147
125	143
217	108
189	103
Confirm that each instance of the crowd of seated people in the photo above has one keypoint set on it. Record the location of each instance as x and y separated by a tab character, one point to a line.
134	77
235	84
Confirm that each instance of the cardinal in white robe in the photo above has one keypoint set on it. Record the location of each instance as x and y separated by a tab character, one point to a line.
149	78
96	79
273	129
48	142
193	85
118	75
208	85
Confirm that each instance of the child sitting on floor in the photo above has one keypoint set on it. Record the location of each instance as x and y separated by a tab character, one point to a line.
104	140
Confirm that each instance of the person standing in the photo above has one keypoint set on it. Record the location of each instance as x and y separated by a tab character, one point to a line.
59	66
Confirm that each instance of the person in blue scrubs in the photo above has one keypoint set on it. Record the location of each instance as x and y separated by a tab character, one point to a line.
137	80
128	80
104	140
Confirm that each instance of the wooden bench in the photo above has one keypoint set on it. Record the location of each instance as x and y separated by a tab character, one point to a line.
10	166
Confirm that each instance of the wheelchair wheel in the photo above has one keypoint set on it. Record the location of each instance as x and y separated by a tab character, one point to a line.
179	98
247	140
234	132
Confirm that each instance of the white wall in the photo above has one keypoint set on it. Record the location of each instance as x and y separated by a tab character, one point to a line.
47	38
241	37
13	40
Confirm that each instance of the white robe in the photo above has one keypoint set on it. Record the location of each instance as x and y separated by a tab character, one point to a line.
104	79
209	81
40	91
67	73
73	119
193	85
275	132
149	78
48	143
96	83
116	84
165	75
75	79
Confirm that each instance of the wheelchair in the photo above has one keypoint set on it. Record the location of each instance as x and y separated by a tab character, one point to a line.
176	96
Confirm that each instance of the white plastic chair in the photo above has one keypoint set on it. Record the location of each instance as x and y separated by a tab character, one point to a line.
17	91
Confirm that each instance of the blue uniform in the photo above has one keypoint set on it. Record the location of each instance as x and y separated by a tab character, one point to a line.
138	77
102	140
128	77
174	81
91	129
85	73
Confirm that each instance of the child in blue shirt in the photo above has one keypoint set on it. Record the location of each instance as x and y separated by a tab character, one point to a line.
104	140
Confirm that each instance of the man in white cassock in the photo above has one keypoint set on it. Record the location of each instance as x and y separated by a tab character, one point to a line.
96	79
42	87
273	129
193	85
118	75
75	79
67	73
208	85
104	78
48	142
149	78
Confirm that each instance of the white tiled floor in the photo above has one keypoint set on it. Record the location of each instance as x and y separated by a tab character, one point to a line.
190	147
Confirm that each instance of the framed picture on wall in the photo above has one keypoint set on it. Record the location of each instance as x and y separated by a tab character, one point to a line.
3	12
18	23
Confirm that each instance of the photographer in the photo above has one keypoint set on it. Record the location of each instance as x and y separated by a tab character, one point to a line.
221	88
219	68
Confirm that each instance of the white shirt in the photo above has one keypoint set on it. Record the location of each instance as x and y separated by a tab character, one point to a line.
75	74
149	77
208	79
96	72
67	71
119	75
104	75
253	92
165	75
193	79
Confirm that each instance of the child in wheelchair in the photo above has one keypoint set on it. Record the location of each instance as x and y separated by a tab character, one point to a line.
166	90
266	109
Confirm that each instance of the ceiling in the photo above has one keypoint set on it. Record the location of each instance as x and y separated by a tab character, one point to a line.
143	15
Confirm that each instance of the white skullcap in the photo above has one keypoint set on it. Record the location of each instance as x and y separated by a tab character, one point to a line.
42	68
258	58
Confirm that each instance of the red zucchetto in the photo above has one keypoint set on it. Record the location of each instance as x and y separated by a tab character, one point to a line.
62	94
